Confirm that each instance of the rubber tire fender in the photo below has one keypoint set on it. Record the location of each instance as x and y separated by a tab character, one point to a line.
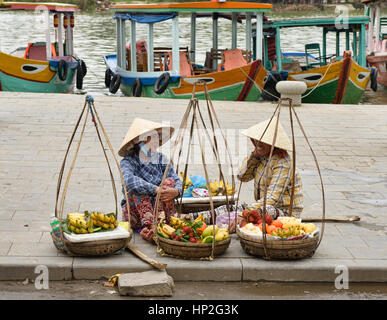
81	72
162	82
62	70
115	83
374	81
136	88
108	77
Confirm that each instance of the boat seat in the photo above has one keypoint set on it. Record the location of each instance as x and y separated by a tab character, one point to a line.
232	59
218	54
37	51
186	68
314	50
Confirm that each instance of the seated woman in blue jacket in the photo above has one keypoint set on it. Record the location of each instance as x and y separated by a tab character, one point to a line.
143	169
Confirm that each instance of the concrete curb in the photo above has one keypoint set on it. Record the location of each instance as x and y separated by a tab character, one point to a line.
218	270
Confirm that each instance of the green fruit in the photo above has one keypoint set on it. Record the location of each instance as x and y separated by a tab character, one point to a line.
207	239
209	231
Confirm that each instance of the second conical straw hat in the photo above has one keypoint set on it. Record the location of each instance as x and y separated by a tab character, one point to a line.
258	132
139	130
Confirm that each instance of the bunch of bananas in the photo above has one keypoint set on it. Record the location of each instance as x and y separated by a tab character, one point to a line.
105	221
177	223
218	188
77	223
188	182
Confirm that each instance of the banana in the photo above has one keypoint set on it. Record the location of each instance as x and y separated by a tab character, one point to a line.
160	230
168	229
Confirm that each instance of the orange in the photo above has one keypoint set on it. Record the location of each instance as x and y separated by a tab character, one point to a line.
277	223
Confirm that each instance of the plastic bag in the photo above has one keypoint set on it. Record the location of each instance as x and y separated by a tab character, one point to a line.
199	182
188	193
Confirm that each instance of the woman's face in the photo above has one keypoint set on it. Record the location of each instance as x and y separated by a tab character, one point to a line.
153	142
261	149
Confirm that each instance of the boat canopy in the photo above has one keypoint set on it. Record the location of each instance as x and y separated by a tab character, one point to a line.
347	25
144	17
52	7
204	6
151	13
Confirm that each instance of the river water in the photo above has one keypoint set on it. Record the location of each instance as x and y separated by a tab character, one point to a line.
94	37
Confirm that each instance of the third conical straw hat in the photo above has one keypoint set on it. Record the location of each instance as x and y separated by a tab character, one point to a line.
138	132
258	132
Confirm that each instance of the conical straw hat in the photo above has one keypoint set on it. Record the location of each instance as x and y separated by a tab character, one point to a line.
256	132
139	130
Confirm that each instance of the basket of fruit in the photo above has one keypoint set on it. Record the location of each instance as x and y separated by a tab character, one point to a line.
286	237
192	239
93	234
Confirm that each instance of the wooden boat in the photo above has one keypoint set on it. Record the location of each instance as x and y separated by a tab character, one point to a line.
377	40
171	72
335	78
43	66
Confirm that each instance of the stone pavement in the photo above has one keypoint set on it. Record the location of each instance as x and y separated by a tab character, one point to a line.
349	142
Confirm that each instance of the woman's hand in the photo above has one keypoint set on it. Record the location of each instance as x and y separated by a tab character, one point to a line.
168	194
148	232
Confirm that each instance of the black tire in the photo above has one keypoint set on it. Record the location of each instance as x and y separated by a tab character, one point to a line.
108	77
62	70
136	88
115	83
162	83
84	67
374	81
80	76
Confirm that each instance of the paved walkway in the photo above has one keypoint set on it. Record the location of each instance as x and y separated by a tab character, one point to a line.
349	141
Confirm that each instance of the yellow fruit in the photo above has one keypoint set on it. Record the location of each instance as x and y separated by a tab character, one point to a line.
221	235
168	229
105	226
309	227
209	231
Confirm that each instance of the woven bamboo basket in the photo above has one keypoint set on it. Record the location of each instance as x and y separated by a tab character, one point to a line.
189	250
100	247
279	248
90	248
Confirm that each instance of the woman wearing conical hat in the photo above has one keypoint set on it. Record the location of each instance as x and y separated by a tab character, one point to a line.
143	169
279	180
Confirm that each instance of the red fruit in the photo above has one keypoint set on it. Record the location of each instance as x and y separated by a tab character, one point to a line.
255	213
243	223
191	234
193	240
268	218
251	219
187	230
245	213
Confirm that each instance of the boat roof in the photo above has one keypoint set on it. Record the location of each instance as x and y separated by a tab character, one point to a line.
323	22
51	6
204	6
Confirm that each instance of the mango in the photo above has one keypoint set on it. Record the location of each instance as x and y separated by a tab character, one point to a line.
209	231
207	239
